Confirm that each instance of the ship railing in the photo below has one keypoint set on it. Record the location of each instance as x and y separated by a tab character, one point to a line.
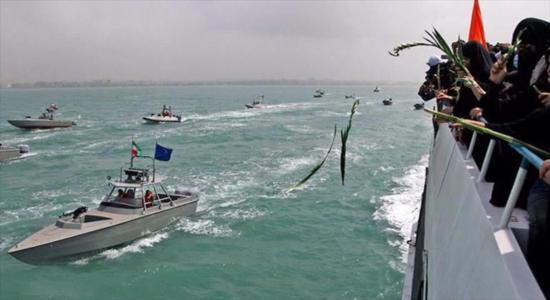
528	157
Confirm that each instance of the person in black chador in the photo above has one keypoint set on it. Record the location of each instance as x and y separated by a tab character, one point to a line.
478	61
516	99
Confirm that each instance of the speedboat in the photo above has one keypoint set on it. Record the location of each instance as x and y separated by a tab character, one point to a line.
165	116
318	94
136	205
418	106
44	121
387	101
257	103
376	89
158	118
7	153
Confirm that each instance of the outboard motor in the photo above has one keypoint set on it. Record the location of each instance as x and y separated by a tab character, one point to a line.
24	148
77	212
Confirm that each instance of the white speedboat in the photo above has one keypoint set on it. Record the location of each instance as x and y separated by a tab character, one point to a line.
7	153
166	116
136	205
44	121
257	103
158	118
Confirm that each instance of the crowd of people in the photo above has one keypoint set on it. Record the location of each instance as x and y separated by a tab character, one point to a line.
509	92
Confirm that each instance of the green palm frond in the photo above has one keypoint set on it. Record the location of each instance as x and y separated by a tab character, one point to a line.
395	52
344	137
318	166
512	50
495	134
435	39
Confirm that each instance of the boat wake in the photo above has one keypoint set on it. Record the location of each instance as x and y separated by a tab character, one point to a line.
400	208
137	246
205	227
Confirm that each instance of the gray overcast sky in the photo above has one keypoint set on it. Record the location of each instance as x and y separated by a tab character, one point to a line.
235	40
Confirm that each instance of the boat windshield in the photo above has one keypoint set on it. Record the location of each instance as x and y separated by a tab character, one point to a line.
129	196
133	195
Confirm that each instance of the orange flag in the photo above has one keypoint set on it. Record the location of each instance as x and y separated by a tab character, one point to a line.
477	33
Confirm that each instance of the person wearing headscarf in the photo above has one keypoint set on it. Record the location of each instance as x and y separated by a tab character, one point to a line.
478	62
505	104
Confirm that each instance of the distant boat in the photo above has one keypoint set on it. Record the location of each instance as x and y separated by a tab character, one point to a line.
318	94
165	116
376	89
44	121
7	153
349	96
418	106
257	103
387	101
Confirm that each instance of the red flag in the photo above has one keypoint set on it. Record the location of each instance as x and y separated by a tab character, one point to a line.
477	33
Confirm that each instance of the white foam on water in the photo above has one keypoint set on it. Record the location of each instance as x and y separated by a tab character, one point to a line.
137	246
400	208
6	242
35	135
239	214
204	227
288	165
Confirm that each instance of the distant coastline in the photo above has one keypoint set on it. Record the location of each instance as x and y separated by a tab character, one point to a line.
143	83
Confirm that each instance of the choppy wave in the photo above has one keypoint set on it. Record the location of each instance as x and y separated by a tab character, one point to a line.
400	208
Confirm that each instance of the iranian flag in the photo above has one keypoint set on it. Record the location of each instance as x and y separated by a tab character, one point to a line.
136	150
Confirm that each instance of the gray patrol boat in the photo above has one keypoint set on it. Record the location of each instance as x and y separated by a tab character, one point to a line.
136	205
44	121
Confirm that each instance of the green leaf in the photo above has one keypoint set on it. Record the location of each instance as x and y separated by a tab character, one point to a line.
344	136
317	167
483	130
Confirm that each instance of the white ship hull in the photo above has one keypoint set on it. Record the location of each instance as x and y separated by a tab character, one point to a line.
458	251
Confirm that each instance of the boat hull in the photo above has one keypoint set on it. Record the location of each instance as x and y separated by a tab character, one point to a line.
40	123
9	153
103	238
254	105
157	119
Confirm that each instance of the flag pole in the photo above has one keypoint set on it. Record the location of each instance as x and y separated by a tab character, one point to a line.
154	158
131	156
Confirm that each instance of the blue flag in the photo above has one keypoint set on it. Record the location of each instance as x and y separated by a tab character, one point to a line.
162	153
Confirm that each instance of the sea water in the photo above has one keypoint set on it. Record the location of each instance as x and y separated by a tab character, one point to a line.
251	237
